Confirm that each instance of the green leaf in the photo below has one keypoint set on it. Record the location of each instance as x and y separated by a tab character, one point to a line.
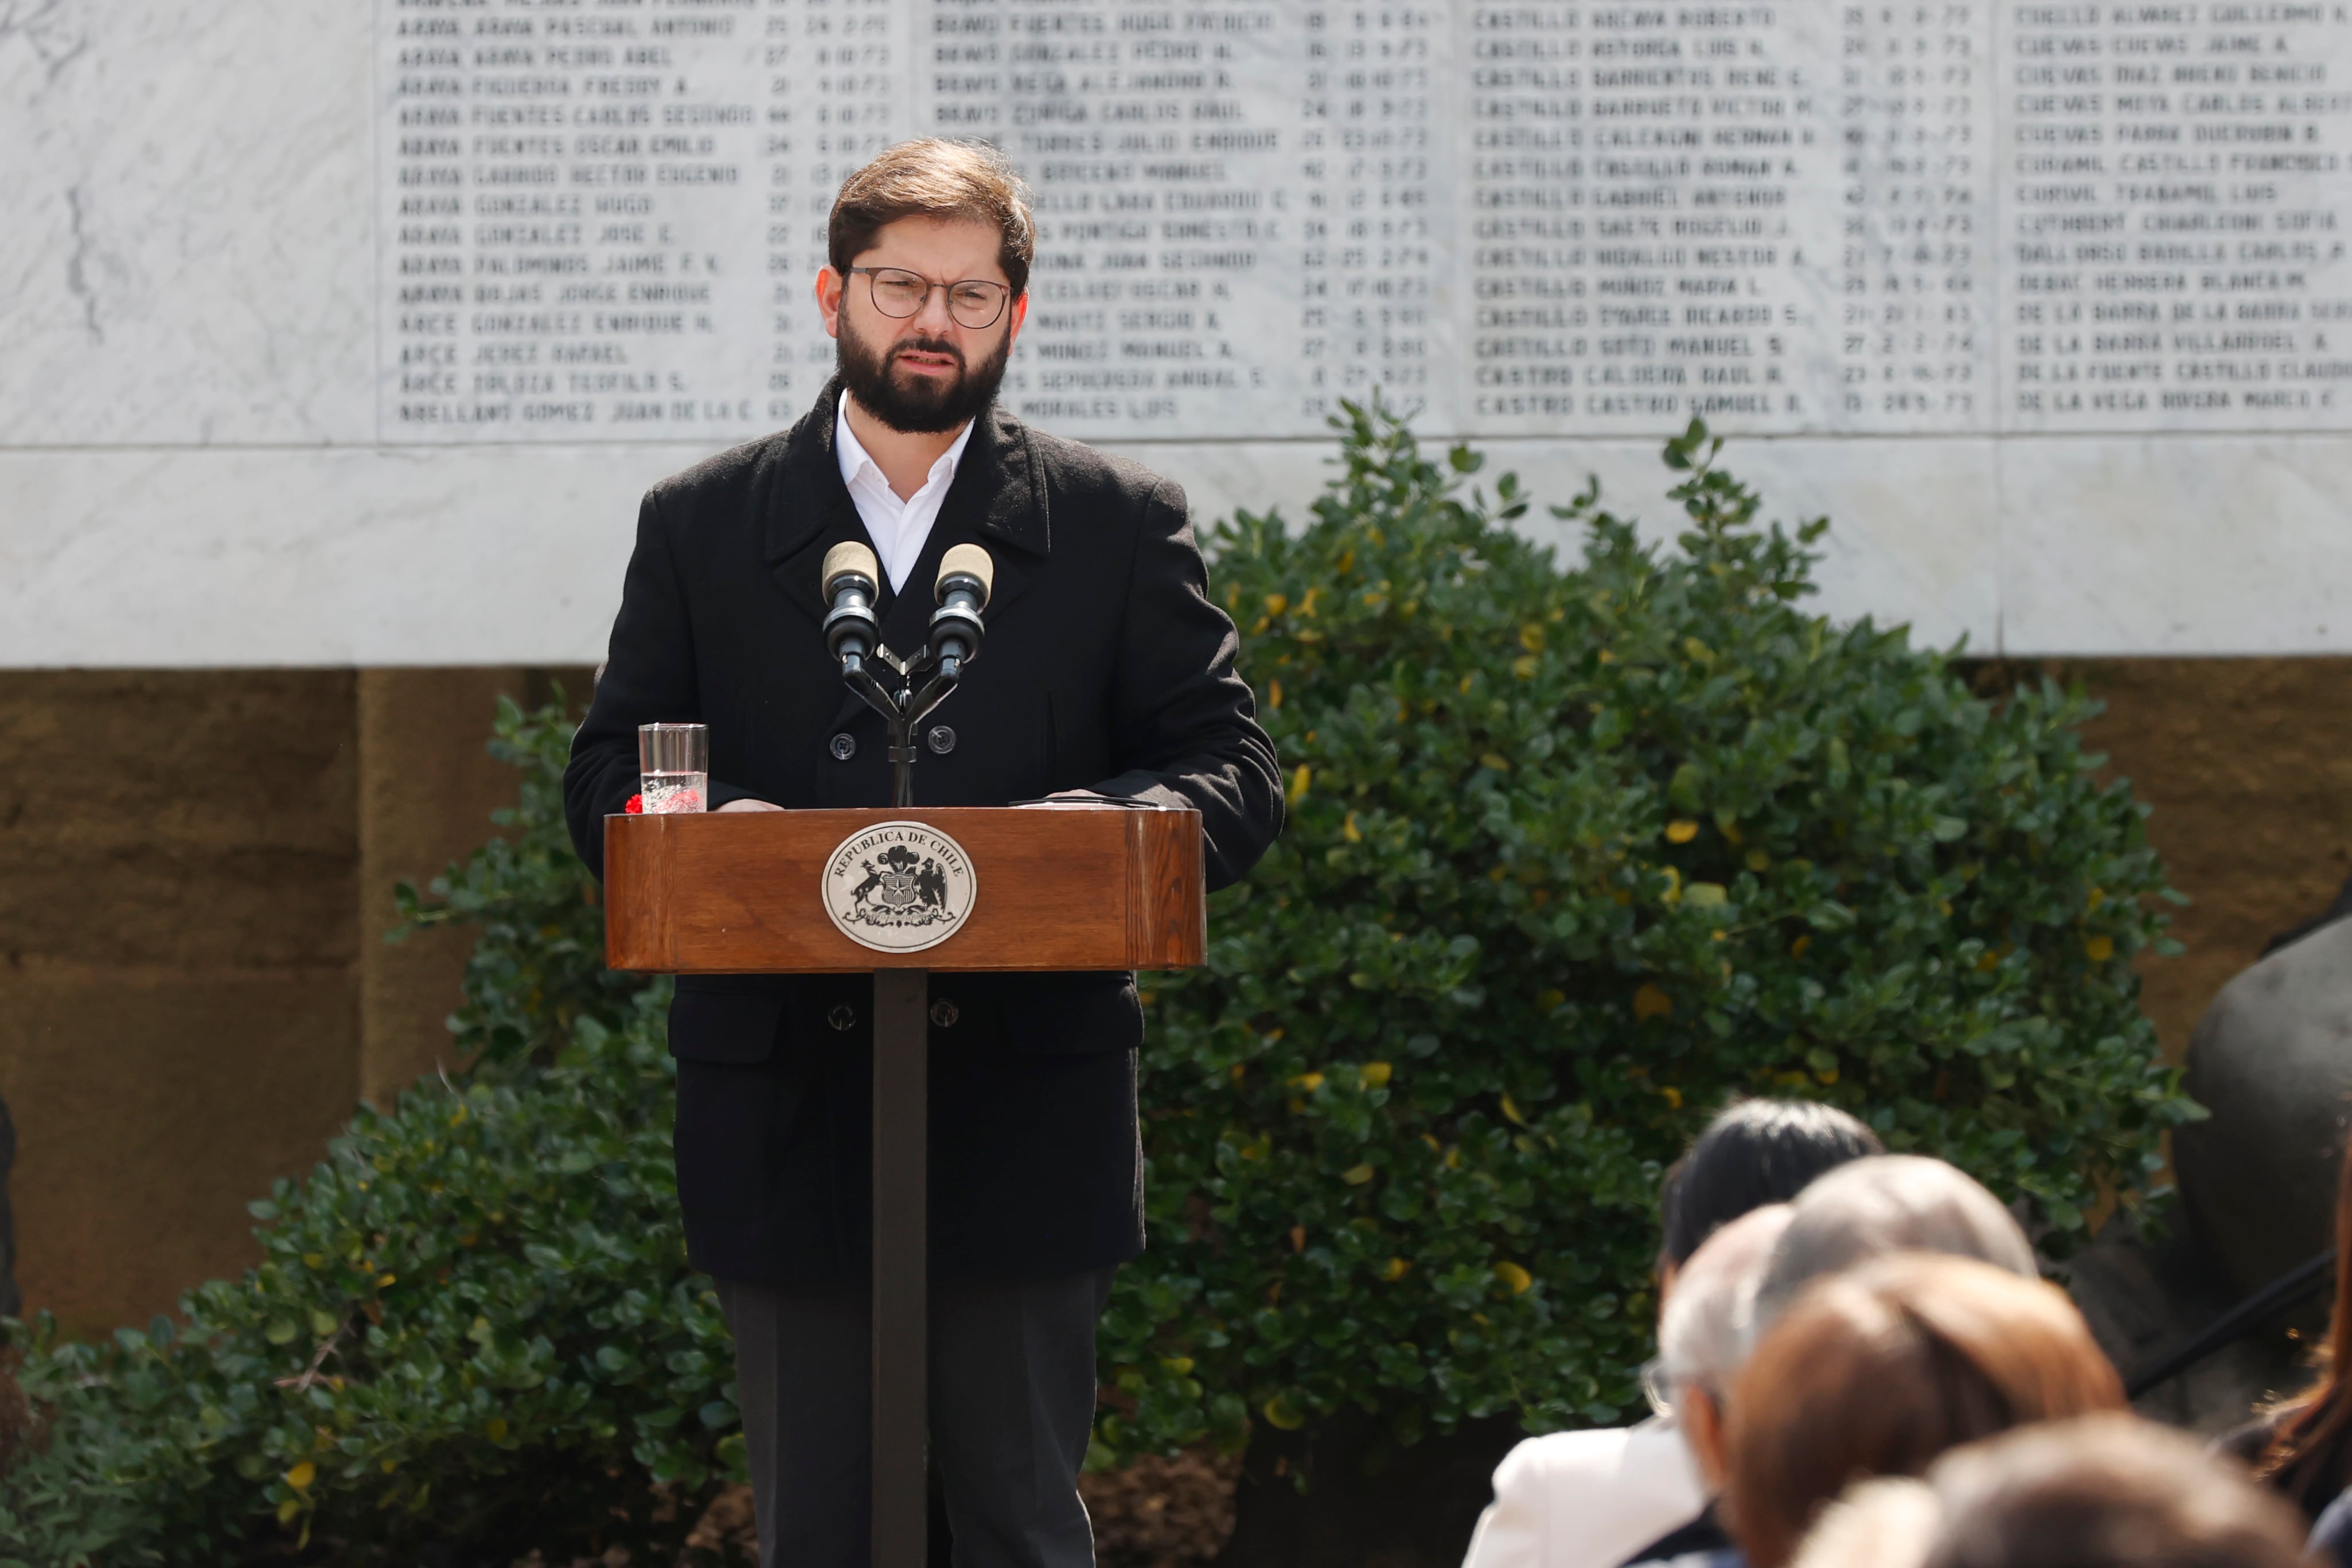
1683	789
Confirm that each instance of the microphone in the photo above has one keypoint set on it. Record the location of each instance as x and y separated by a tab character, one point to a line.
966	574
852	580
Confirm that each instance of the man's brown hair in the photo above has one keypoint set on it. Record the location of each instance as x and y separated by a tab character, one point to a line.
936	177
1876	1371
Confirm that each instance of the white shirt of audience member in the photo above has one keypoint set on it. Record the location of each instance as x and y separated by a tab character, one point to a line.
1587	1499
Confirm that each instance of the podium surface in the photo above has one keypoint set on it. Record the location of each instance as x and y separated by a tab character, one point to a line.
1074	887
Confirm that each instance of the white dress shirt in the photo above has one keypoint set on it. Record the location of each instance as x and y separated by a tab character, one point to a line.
900	528
1587	1499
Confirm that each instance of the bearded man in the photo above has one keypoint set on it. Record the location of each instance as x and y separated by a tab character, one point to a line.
1107	670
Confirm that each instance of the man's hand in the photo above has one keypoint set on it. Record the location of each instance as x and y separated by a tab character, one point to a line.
750	806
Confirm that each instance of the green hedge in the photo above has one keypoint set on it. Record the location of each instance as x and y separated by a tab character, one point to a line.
1573	855
1574	852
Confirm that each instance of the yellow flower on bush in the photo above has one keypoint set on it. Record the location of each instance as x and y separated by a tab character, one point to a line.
1516	1278
1650	1001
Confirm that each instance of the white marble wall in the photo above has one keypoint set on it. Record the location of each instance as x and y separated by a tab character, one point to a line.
190	474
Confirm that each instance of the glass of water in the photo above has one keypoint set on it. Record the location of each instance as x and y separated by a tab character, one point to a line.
674	767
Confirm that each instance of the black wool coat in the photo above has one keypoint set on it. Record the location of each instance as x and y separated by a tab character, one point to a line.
1105	666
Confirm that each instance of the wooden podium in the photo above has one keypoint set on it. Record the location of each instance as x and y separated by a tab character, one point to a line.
792	892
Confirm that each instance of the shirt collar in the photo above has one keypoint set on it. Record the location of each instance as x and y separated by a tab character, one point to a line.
856	460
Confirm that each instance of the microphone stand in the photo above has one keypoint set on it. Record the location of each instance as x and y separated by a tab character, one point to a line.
896	688
902	704
853	633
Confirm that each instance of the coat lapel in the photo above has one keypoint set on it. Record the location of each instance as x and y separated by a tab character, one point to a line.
809	510
998	499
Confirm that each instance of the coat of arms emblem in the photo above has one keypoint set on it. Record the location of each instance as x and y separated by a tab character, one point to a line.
898	887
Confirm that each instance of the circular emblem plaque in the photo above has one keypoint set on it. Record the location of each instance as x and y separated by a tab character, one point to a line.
898	887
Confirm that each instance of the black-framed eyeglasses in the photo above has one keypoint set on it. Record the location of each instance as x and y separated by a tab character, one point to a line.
974	302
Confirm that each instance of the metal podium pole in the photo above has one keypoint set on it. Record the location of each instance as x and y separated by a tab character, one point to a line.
901	1259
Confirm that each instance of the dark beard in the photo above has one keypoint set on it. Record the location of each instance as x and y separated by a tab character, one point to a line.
924	408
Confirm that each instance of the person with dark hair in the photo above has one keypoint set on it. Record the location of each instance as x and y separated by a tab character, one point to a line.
1108	673
1881	1370
1589	1499
1866	1209
2305	1444
1757	1151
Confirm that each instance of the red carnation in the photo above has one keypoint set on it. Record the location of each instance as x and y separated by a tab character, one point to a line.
636	806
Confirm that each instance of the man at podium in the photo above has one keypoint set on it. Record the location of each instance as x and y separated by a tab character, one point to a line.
1107	670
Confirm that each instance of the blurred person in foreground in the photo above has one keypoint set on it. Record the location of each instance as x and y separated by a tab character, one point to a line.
2102	1491
1863	1209
1585	1499
2304	1446
1881	1370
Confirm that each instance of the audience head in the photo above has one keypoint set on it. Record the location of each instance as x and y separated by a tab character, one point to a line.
1879	1371
1755	1151
1699	1334
1888	1204
2107	1491
1890	1523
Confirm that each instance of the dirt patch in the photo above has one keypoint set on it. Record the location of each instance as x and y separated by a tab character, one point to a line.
1154	1513
1163	1513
